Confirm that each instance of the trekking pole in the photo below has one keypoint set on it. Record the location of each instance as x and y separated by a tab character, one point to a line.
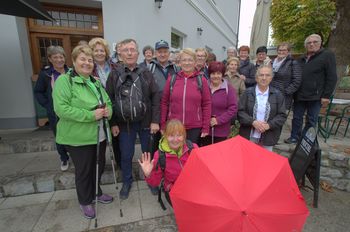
111	156
212	135
97	161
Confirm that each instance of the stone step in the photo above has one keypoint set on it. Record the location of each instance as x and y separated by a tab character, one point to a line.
38	172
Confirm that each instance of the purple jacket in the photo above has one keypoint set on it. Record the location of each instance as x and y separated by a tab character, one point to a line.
224	107
186	102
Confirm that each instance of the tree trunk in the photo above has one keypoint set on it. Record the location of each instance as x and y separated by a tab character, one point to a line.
338	40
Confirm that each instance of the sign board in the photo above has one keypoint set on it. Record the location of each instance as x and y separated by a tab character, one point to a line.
306	160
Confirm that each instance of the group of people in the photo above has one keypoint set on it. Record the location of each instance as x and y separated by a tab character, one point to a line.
180	104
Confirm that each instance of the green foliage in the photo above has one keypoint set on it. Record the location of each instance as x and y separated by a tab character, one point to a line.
293	20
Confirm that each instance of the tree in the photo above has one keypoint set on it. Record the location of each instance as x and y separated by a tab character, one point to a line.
338	42
293	20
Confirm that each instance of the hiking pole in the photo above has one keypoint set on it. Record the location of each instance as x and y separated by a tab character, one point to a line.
111	156
97	161
212	131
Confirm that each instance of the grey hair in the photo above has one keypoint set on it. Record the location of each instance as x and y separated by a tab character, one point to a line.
312	35
52	50
261	67
126	41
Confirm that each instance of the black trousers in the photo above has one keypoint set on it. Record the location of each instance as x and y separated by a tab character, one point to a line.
84	160
208	139
193	135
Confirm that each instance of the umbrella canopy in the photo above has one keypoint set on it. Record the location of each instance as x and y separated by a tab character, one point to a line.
260	28
236	185
25	8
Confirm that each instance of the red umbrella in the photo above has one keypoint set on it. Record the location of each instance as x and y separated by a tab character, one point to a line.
236	185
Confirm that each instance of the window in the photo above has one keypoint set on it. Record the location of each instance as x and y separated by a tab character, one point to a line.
71	19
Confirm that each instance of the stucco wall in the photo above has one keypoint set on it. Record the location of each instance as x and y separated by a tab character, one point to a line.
147	24
16	94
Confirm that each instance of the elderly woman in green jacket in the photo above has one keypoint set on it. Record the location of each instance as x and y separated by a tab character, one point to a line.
81	103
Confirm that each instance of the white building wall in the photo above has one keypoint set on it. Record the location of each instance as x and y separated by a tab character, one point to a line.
147	24
16	93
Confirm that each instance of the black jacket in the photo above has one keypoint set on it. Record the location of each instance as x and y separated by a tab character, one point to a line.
276	118
43	93
149	91
248	70
319	76
287	79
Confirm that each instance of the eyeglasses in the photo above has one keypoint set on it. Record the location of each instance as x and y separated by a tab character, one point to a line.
282	50
312	42
131	50
187	60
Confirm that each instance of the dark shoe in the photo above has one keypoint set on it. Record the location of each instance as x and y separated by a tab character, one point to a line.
88	211
291	141
105	199
154	190
124	192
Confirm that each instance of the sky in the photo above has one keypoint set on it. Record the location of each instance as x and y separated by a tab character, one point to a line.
246	21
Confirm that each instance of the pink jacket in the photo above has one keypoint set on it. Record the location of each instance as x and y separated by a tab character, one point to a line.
173	167
187	103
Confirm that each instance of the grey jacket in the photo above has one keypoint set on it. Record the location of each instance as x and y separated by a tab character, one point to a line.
276	118
160	76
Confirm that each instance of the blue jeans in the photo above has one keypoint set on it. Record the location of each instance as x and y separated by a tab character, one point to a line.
312	109
127	140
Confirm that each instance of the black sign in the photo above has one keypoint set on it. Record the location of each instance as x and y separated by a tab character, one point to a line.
306	160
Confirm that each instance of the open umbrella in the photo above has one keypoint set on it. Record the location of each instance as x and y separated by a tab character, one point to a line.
236	185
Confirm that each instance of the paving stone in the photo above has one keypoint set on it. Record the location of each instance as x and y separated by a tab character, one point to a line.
20	219
328	180
67	180
162	224
20	146
343	184
341	163
45	183
347	176
34	145
325	162
334	173
19	186
107	177
150	206
336	156
62	215
26	200
47	145
5	148
282	147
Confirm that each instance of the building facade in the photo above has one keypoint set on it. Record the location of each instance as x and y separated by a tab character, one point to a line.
183	23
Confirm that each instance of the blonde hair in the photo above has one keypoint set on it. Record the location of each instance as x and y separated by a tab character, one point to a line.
81	49
188	51
175	126
95	41
202	50
232	59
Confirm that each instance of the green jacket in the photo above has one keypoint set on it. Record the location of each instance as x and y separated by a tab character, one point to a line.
75	103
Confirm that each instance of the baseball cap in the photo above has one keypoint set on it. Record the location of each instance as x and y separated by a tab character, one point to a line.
162	44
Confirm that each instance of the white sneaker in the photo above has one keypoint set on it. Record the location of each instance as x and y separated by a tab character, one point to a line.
64	165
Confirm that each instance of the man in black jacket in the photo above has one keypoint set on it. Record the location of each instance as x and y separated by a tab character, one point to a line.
143	82
319	79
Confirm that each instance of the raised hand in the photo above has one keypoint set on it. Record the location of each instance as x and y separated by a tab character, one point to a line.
146	163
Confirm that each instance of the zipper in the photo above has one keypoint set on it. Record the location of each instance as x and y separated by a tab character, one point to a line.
183	102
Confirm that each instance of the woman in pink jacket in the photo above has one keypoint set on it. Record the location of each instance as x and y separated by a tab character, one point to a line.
187	98
176	149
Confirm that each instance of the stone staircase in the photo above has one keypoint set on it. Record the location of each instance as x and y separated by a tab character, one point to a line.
30	164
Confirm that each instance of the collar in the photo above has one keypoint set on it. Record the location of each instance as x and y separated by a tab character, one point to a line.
259	93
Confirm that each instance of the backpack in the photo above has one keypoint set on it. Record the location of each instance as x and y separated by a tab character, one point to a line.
162	164
129	104
199	82
152	67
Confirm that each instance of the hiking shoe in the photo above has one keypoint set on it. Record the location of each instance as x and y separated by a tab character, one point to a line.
124	192
291	140
88	211
64	165
104	199
154	190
